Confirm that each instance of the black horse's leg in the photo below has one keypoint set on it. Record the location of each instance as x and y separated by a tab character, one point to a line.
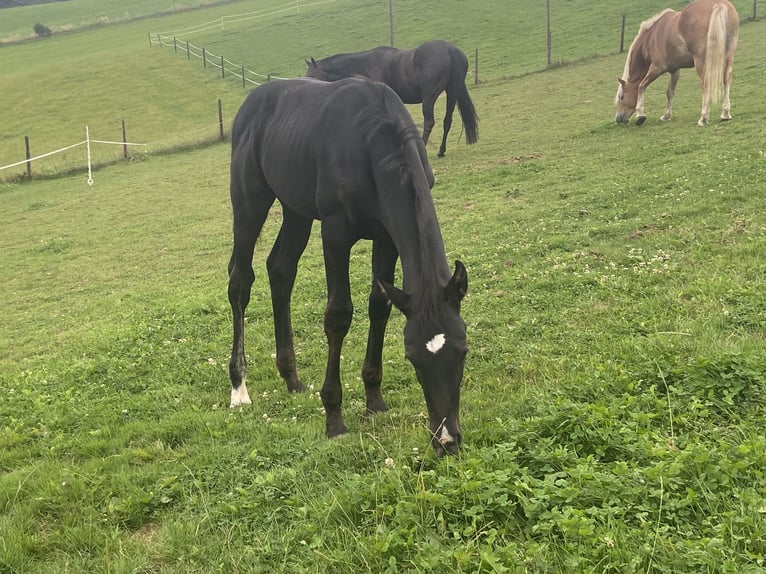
282	266
428	116
451	101
337	320
250	211
384	257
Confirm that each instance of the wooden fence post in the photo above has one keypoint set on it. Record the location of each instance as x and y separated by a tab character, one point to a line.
204	58
243	76
220	119
223	69
622	34
391	22
755	11
175	45
124	141
188	56
150	38
476	67
159	40
548	25
29	157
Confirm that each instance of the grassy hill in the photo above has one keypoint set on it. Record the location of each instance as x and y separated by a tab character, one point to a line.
52	88
613	402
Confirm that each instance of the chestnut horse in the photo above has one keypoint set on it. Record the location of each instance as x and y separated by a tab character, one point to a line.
703	35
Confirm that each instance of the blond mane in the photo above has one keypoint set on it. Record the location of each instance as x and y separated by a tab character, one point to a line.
645	25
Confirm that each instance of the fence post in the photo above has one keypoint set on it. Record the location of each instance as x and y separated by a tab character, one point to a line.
476	67
548	25
755	12
220	119
124	141
622	34
159	40
223	70
391	22
243	76
150	38
187	50
175	45
204	58
29	156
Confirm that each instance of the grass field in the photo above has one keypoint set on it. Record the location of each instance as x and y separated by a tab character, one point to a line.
613	403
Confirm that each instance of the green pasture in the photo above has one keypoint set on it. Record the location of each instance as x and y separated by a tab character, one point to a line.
50	89
613	401
17	24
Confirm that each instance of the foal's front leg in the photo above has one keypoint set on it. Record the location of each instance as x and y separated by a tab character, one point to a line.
384	257
337	320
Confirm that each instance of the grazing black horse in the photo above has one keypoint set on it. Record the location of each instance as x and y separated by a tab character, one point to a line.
348	154
417	75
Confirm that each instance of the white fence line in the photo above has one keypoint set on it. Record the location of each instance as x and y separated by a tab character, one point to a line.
87	141
171	39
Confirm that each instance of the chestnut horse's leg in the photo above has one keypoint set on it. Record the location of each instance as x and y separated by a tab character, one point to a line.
451	101
670	91
699	66
384	256
726	109
652	74
250	211
282	266
337	318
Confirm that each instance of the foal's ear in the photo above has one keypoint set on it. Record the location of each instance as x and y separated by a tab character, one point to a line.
458	284
311	63
622	82
398	298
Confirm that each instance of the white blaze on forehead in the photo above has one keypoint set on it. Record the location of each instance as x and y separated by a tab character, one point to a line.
445	437
239	396
435	344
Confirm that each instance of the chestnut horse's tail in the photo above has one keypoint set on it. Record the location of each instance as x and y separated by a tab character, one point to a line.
458	69
715	52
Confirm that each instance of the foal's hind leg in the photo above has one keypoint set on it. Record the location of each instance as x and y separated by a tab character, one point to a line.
249	215
451	101
282	266
384	257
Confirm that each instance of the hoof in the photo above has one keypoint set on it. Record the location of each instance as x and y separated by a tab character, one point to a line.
375	406
336	429
640	120
239	396
295	386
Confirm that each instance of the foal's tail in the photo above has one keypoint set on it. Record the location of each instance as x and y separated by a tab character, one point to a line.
715	52
458	69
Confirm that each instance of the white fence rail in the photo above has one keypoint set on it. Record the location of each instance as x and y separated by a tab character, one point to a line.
176	39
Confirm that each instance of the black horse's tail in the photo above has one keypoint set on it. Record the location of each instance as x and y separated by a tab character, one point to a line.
458	69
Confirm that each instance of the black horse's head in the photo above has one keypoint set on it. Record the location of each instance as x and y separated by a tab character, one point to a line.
324	70
435	344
